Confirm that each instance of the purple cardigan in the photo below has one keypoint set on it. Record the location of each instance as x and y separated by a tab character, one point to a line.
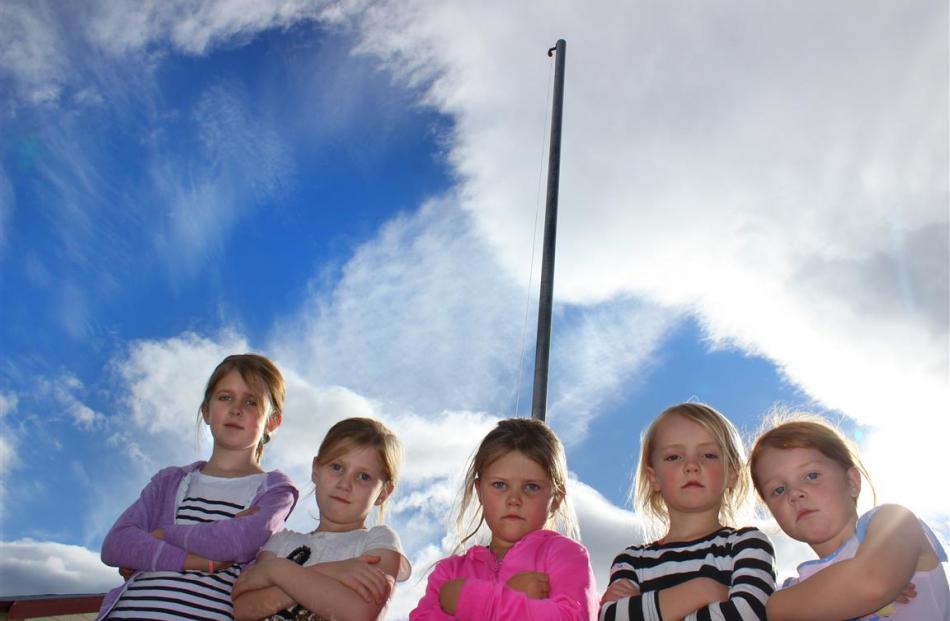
129	544
486	597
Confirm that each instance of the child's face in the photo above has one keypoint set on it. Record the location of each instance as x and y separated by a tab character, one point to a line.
516	496
236	414
687	467
347	487
811	497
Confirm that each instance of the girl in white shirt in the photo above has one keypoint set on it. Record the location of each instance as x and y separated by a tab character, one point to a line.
341	570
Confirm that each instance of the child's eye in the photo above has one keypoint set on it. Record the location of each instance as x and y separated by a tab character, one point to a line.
778	491
498	485
711	456
671	458
335	467
813	476
251	402
531	488
364	477
224	397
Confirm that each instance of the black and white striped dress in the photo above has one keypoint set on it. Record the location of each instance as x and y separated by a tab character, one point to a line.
197	595
743	560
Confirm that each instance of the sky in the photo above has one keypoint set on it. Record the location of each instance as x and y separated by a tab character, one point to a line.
753	213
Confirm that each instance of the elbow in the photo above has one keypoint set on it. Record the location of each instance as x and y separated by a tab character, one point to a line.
109	554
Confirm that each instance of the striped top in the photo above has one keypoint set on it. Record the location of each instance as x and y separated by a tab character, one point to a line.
196	595
741	559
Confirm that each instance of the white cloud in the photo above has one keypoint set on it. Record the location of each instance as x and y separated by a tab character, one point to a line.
29	567
165	380
745	167
64	391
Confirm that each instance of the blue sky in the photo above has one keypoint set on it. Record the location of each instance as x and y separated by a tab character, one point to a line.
754	212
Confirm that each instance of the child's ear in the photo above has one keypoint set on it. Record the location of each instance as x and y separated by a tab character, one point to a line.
205	413
651	478
733	478
854	482
556	502
313	471
274	421
386	492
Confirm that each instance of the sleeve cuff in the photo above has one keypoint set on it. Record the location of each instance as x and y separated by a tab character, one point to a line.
169	557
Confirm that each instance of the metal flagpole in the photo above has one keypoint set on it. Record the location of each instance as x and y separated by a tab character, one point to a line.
540	395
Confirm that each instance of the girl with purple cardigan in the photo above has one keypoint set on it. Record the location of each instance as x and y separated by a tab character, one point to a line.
181	545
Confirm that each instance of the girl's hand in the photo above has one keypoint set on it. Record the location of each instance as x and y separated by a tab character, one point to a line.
534	584
908	593
619	589
126	573
249	511
713	590
449	595
158	533
359	574
257	576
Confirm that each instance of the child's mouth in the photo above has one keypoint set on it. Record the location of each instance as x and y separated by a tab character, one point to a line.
803	514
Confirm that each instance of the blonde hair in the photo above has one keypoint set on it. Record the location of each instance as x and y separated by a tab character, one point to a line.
649	500
809	431
536	441
356	432
262	376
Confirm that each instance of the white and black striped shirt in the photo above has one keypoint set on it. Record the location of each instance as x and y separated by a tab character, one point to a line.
743	560
197	595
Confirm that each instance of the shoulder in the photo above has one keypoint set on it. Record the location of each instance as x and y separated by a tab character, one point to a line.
276	478
382	534
750	535
885	521
452	566
175	473
884	514
557	544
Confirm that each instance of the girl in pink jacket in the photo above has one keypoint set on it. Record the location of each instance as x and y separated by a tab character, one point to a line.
525	572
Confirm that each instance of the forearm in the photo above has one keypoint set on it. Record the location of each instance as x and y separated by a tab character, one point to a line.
839	591
235	539
128	545
679	601
321	594
482	599
260	603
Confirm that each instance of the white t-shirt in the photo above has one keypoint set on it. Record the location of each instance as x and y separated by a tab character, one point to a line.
933	599
325	547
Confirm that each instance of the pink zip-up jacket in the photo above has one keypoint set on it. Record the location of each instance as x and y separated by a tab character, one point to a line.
485	596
